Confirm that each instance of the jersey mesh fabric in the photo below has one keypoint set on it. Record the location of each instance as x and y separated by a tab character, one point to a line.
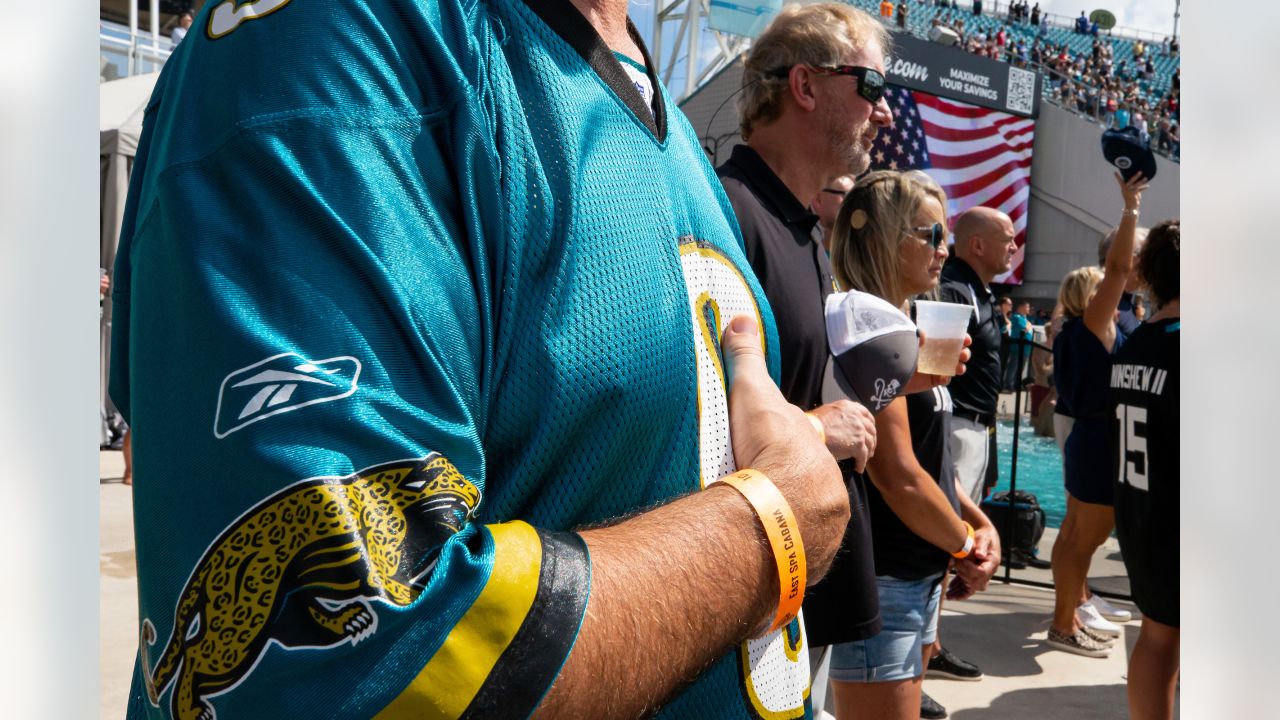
449	195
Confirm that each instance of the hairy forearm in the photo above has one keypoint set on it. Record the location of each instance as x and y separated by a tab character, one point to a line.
672	590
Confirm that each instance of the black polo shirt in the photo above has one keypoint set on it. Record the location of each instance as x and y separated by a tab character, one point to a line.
977	390
777	230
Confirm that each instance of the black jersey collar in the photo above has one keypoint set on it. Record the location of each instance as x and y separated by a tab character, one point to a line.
770	188
567	22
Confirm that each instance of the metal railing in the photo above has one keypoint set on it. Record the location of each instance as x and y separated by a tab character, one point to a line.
127	50
126	53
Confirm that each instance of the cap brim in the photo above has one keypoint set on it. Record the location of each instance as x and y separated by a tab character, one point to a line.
875	372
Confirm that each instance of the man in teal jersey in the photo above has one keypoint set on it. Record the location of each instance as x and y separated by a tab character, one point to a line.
409	294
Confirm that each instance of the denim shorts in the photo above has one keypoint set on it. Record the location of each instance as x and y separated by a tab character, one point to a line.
909	611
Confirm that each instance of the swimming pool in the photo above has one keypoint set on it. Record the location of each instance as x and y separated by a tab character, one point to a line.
1039	468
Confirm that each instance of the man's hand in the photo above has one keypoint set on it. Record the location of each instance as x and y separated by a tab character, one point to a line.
921	381
774	437
850	429
689	579
958	589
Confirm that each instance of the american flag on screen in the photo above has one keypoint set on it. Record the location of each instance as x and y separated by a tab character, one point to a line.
978	156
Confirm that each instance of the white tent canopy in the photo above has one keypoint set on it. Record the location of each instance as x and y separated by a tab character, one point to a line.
121	104
120	109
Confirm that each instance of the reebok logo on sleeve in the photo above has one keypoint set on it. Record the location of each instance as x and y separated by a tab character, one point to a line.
280	384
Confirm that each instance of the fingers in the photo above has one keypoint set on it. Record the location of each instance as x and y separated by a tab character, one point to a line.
742	349
850	430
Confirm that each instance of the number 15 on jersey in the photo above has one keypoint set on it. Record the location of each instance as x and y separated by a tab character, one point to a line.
1133	445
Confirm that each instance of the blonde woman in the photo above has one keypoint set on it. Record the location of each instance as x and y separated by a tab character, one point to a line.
1082	354
890	241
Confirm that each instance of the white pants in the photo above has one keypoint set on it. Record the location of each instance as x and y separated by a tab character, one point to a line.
1061	429
969	451
1062	425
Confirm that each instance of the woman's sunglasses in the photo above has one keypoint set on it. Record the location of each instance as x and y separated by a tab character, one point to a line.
936	234
870	81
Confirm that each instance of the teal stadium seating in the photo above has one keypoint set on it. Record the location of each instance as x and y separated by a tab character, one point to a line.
923	11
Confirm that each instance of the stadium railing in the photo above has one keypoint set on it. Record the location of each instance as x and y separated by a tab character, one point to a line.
124	54
1051	92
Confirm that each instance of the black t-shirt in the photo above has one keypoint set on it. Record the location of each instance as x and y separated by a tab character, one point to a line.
777	232
793	269
978	389
899	552
1144	424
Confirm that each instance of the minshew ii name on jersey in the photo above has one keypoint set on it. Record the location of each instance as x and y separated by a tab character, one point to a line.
1145	378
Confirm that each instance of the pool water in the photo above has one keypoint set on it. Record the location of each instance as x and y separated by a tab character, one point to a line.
1039	468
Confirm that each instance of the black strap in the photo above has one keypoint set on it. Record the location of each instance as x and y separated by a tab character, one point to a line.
983	419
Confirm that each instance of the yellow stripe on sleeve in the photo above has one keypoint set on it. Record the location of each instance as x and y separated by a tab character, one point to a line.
448	683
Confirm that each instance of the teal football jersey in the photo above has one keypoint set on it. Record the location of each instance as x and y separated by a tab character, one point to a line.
406	292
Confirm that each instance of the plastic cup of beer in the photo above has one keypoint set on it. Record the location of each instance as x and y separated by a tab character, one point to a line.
943	325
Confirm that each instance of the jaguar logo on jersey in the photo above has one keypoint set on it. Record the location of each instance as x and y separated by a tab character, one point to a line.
300	569
279	384
228	15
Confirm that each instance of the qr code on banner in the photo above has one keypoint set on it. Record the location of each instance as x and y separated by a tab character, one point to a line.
1022	88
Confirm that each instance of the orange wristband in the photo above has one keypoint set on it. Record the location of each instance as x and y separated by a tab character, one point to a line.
963	552
816	422
784	538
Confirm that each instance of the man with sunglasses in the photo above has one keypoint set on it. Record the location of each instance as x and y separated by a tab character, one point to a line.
812	102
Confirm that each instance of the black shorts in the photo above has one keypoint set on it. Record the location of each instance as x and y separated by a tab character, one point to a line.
1090	475
1149	544
845	605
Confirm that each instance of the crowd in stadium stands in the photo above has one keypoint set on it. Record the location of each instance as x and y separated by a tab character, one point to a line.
1117	82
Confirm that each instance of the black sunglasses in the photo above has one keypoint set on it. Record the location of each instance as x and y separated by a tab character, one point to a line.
870	81
937	234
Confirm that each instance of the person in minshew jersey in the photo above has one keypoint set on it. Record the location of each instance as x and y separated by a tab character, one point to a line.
1144	423
889	240
1082	354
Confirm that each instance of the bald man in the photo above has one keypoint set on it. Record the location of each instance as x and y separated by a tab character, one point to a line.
983	249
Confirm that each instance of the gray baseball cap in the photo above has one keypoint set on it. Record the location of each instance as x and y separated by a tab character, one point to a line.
873	348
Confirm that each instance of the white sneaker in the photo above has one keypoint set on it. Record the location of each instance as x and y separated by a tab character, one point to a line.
1092	619
1109	611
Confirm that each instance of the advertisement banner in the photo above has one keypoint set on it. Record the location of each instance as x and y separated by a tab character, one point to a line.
951	73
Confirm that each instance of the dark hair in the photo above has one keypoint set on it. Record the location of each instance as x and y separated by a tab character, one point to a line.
1158	262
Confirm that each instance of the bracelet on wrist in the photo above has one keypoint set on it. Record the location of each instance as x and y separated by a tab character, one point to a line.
1130	211
784	539
963	552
